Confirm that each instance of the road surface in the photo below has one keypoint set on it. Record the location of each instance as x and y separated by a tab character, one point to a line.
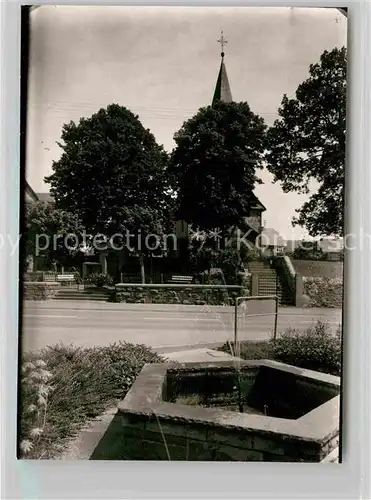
164	327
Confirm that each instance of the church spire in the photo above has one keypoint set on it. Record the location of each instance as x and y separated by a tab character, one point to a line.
222	89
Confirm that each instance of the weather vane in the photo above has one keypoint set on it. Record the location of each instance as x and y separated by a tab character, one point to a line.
222	42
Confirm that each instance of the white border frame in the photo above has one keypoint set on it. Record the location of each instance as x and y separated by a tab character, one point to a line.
54	479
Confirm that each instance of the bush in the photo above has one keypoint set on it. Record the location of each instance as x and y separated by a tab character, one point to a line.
324	292
229	260
309	253
63	387
315	349
250	350
100	280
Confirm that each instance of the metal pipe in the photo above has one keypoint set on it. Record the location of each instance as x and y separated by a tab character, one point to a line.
275	321
235	325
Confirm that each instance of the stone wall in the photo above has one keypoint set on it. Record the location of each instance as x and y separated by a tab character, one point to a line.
318	268
323	292
177	294
40	290
150	438
147	427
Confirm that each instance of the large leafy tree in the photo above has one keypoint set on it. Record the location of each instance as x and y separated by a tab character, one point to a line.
214	165
113	174
50	231
307	142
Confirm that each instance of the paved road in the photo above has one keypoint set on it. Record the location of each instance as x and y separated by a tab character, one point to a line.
164	327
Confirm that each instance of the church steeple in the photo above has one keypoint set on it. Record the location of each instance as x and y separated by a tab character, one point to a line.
222	89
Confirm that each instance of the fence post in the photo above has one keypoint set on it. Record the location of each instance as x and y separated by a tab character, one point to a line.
254	284
275	319
235	324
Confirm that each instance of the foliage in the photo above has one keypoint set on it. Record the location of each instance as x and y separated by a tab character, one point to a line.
82	385
46	225
307	143
250	350
113	174
323	291
202	257
214	163
77	275
34	276
302	253
230	262
36	389
99	279
315	349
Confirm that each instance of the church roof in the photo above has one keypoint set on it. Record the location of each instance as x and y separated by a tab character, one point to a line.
257	204
46	197
30	193
222	89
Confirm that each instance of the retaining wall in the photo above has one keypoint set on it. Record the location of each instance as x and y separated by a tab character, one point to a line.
177	294
34	290
146	427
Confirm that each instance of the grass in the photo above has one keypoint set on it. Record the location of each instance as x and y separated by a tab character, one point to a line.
63	387
252	350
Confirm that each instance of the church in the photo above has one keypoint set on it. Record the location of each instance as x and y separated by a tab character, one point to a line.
253	219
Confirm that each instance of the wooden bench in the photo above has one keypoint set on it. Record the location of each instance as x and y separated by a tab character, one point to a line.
184	280
66	278
48	276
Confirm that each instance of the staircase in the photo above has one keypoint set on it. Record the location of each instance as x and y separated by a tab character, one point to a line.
79	293
269	282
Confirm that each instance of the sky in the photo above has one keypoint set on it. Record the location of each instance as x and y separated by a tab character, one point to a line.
162	63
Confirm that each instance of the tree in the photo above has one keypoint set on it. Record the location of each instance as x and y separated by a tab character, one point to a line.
214	163
51	231
113	174
307	142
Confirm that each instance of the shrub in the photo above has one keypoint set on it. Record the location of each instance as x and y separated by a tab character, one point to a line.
99	279
63	387
76	274
309	253
229	260
323	291
249	350
315	349
33	276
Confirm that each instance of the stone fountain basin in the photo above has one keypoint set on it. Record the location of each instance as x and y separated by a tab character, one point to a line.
188	412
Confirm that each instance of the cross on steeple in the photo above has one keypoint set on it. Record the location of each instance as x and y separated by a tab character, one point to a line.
222	89
222	42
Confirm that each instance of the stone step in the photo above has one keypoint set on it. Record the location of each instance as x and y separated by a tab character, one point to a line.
95	299
254	268
81	292
81	295
78	294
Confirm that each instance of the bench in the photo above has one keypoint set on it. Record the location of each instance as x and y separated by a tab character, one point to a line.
66	278
48	276
181	279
